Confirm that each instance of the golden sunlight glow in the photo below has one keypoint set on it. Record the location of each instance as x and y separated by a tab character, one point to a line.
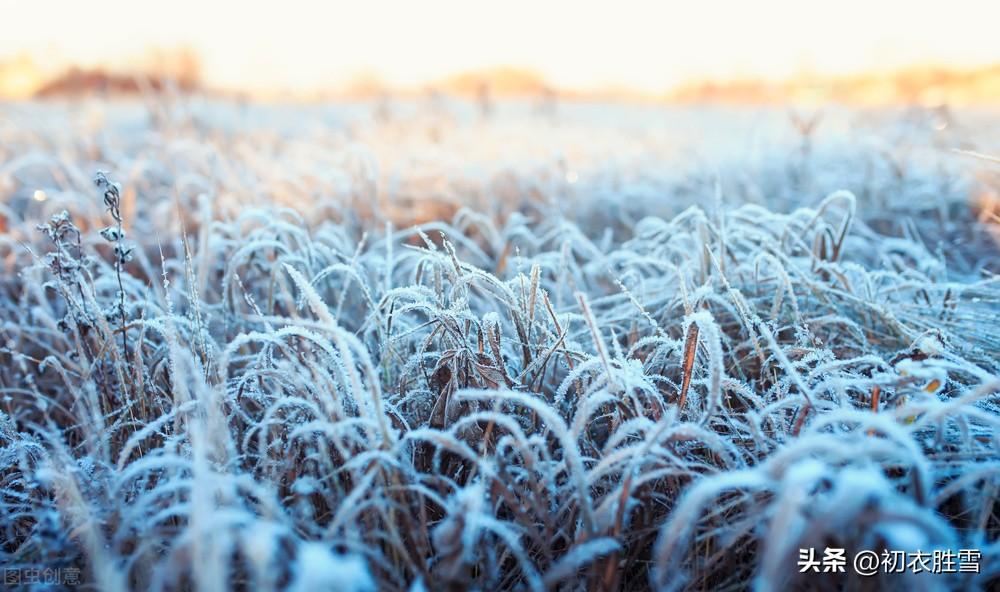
302	46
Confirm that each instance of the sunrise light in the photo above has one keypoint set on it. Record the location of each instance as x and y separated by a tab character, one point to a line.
649	48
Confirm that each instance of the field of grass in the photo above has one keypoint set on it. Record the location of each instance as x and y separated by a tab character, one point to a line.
412	348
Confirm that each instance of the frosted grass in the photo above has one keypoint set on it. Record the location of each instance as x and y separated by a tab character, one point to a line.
438	352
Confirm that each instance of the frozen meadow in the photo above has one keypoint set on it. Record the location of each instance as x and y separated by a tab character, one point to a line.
411	346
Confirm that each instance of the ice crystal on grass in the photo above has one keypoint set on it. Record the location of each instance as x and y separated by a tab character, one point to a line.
442	364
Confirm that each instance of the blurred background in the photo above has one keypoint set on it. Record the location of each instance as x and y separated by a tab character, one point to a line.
765	52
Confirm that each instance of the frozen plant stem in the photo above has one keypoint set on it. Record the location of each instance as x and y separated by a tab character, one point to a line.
116	235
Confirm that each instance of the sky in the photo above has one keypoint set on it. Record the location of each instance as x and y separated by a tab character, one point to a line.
298	45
